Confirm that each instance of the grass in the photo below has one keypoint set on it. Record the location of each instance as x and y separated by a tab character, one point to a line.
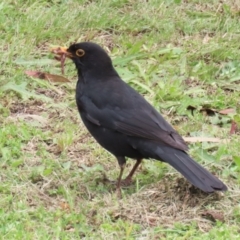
53	174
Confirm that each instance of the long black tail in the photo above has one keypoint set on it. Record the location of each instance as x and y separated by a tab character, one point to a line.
191	170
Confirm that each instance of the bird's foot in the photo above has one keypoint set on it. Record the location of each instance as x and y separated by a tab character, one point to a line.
126	182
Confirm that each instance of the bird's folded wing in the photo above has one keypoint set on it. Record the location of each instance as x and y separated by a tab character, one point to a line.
148	129
148	125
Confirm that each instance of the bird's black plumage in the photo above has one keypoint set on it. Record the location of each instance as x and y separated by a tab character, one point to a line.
124	123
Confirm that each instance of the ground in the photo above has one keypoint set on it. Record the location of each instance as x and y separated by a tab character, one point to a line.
183	56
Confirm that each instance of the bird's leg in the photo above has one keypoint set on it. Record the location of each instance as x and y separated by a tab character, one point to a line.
122	164
119	193
128	180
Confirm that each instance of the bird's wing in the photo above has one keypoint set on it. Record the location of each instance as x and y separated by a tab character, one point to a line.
145	126
143	122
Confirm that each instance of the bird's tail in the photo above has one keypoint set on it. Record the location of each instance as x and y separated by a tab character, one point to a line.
192	171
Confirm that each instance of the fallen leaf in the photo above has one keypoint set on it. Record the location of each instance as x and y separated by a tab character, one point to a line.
64	206
205	139
213	215
233	128
227	111
46	76
151	220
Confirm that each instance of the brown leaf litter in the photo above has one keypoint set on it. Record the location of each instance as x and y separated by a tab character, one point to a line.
48	76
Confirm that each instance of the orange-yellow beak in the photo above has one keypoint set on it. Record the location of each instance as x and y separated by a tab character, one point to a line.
61	51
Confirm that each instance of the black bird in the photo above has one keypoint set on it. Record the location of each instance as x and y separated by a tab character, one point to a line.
124	123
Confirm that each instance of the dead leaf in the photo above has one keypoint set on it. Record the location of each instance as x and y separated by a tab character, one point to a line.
227	111
46	76
234	128
213	215
205	139
64	206
152	221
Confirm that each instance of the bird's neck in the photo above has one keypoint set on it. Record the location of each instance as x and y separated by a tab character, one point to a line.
96	74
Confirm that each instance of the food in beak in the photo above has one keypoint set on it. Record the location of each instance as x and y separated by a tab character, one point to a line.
61	53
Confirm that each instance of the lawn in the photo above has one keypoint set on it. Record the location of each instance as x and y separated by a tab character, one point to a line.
183	56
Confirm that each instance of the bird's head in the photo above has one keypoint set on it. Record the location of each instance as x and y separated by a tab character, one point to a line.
88	57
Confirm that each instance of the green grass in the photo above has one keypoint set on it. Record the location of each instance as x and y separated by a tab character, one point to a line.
53	174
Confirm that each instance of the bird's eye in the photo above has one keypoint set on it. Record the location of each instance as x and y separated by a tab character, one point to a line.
80	52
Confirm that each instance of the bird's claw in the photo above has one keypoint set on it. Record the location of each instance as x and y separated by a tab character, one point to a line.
126	182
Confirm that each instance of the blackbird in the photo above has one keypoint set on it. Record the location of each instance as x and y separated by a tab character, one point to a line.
124	123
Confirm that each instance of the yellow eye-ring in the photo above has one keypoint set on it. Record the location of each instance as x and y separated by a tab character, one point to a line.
80	52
